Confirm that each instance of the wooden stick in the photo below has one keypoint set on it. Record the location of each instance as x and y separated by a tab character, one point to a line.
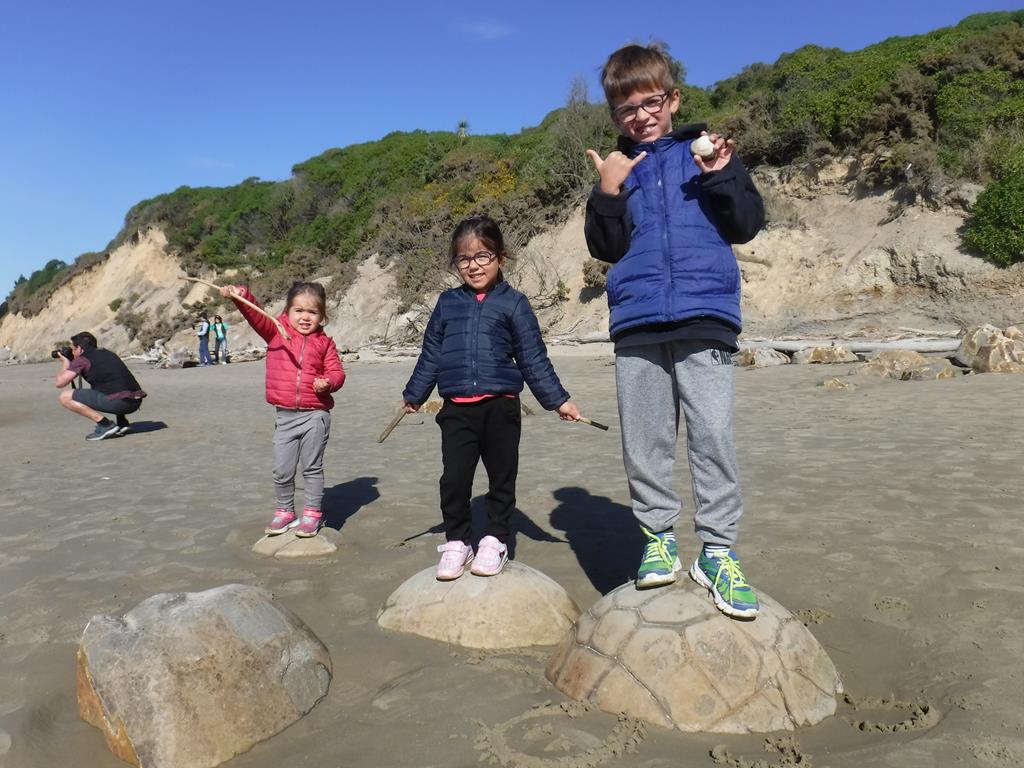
597	424
394	423
261	310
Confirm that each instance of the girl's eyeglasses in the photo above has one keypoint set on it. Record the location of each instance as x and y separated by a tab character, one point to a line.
481	259
652	106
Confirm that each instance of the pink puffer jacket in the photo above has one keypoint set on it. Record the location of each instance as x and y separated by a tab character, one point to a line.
292	364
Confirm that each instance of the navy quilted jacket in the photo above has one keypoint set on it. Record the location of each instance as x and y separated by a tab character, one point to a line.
668	232
484	347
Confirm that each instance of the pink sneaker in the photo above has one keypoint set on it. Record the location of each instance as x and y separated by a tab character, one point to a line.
309	523
282	521
455	556
491	555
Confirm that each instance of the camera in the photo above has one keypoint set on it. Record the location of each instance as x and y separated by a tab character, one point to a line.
65	351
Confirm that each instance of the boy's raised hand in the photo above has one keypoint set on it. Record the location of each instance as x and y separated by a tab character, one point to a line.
229	291
614	169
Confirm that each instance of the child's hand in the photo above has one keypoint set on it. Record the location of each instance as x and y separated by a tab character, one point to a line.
321	385
568	411
723	153
614	169
411	407
230	291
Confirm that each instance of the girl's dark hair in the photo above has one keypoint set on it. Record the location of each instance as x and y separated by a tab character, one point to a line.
313	289
484	228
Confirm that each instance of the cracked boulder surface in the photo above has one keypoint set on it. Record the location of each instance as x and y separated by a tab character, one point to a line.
190	680
669	657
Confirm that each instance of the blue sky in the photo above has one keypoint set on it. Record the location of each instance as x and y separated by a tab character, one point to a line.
104	104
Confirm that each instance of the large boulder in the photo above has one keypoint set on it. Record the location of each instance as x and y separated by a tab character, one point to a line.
987	349
518	607
669	657
189	680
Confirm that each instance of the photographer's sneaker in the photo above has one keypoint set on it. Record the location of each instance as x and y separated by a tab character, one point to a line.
309	523
123	426
283	520
660	562
104	428
718	569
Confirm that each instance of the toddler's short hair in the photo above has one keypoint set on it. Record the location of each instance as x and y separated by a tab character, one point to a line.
635	68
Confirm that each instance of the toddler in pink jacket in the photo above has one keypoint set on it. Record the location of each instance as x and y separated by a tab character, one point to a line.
302	372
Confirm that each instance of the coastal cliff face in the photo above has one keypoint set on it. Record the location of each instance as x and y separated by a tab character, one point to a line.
828	263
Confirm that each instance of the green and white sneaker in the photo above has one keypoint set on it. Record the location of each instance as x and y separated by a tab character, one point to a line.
719	571
661	560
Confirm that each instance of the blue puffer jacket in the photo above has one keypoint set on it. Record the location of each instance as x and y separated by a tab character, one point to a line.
484	347
668	235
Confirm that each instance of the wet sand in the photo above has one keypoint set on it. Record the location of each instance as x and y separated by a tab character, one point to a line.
888	518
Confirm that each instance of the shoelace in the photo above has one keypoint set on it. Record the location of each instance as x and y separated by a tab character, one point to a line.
732	572
656	548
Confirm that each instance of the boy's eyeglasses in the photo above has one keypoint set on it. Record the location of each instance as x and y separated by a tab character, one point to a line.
652	106
481	259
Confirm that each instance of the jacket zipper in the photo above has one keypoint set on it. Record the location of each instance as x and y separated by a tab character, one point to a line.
476	338
665	236
298	374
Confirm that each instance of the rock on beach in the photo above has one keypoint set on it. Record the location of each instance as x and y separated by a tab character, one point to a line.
189	680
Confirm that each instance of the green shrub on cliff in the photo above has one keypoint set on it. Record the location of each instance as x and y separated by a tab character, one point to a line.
996	226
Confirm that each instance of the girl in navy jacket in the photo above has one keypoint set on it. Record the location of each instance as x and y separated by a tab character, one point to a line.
481	344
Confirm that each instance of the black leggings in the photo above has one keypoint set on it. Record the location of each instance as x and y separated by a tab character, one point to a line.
487	430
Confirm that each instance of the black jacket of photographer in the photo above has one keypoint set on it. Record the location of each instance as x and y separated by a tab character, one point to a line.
107	373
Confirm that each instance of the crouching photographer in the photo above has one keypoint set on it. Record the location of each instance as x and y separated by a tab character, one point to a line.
114	389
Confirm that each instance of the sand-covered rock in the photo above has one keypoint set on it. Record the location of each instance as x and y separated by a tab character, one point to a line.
669	657
837	384
288	546
518	607
824	355
189	680
760	357
987	349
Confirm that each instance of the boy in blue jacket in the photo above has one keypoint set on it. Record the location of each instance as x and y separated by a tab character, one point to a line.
664	218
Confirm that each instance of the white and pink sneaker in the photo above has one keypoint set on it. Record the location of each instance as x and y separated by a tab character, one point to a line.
455	556
491	556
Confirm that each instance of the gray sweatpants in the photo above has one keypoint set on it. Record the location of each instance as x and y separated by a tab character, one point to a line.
653	382
300	438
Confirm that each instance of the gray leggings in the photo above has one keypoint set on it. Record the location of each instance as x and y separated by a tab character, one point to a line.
300	438
655	382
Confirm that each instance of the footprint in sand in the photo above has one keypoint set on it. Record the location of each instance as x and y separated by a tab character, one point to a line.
892	607
553	736
914	716
787	747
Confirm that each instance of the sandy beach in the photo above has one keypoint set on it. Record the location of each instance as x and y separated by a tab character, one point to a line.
888	518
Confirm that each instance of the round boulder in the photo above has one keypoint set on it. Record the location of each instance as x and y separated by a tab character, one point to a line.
669	657
518	607
189	680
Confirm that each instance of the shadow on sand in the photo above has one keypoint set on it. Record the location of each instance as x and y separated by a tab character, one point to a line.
519	523
604	536
344	500
141	427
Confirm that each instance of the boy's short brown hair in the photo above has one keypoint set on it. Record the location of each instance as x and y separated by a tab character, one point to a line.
635	68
